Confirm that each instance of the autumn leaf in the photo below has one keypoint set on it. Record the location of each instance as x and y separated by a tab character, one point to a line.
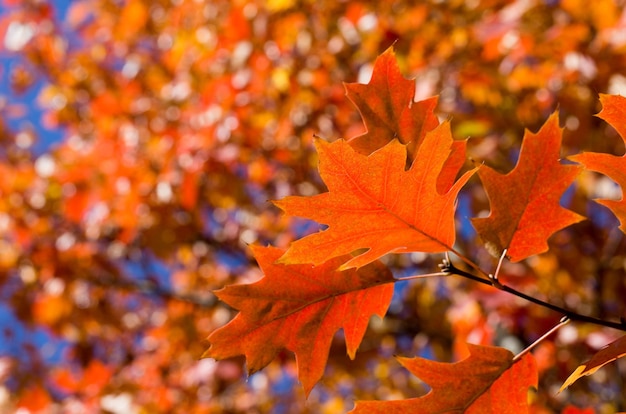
488	381
373	203
613	112
388	109
525	209
609	353
300	308
35	399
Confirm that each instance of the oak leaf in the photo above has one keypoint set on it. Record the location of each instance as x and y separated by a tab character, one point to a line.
525	207
611	352
388	109
373	203
614	167
300	308
488	381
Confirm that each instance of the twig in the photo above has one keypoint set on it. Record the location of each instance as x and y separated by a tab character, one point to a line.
422	276
451	269
564	321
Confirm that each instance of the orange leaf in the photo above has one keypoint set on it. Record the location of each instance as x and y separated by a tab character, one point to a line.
387	107
609	353
374	203
300	308
614	167
96	376
133	18
35	399
488	381
525	207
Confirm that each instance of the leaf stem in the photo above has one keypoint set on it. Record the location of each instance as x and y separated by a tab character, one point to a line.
451	269
564	321
466	261
422	276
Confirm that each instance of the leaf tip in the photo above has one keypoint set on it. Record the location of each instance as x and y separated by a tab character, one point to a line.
573	378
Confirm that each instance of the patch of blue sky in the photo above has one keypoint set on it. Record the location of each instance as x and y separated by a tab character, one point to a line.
33	118
17	337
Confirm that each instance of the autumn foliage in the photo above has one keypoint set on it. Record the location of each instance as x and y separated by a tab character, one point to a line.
374	206
444	207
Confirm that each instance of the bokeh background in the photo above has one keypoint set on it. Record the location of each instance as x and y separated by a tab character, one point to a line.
141	140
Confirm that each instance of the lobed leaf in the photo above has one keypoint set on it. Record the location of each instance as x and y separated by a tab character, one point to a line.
388	109
488	381
300	308
525	209
373	203
614	167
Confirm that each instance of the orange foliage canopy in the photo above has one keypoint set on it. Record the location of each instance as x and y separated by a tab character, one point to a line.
177	120
374	203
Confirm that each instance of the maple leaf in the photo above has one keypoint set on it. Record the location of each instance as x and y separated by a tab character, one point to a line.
388	109
373	203
300	308
488	381
525	207
609	353
614	167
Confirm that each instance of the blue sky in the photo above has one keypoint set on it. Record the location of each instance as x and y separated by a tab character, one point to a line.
8	60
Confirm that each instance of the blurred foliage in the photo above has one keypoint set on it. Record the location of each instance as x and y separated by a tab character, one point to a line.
181	118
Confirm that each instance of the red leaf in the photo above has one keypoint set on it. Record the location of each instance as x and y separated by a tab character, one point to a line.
300	308
488	381
614	167
375	204
525	207
609	353
388	109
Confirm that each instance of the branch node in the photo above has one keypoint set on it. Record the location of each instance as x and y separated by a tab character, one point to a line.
446	266
494	281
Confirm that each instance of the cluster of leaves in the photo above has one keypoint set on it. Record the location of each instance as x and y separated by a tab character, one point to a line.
333	279
176	121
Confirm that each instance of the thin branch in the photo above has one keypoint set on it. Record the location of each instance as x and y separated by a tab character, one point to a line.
466	261
438	274
149	288
451	269
564	321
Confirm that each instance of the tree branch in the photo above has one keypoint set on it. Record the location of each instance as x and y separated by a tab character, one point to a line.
448	267
149	288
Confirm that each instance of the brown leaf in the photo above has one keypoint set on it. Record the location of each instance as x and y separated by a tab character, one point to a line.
609	353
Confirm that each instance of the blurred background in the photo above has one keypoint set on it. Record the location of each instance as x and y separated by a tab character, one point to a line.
140	142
